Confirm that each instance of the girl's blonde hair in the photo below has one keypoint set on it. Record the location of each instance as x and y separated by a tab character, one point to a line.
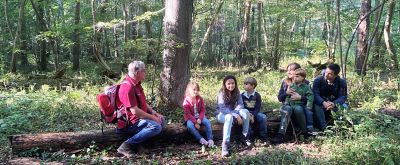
191	85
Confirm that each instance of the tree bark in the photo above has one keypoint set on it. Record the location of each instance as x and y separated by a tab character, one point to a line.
388	38
363	30
177	32
17	40
76	50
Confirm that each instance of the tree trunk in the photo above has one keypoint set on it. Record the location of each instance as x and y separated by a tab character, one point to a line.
388	38
125	11
259	33
96	44
6	18
177	32
76	50
16	48
69	141
39	12
376	43
275	54
339	35
244	37
208	32
363	30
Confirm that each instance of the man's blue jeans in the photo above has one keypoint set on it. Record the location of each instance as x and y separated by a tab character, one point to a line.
261	120
141	130
320	114
195	132
227	120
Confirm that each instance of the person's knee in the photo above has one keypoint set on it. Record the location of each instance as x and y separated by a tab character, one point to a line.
244	113
157	128
228	118
261	117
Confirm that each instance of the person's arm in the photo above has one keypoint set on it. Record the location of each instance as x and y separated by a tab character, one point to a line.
240	104
317	91
282	92
221	107
304	97
202	108
342	95
143	115
310	97
187	112
257	108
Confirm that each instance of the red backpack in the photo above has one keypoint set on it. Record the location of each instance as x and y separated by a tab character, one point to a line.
109	111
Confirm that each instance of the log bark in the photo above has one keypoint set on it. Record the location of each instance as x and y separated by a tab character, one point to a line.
69	141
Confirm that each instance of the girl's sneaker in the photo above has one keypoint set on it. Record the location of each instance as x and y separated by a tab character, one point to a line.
211	143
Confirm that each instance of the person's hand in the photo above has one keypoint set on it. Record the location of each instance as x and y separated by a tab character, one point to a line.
198	121
331	105
290	91
157	118
295	96
197	126
326	104
251	118
239	120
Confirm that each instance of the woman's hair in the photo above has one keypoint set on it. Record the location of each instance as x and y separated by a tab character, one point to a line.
230	97
190	86
292	66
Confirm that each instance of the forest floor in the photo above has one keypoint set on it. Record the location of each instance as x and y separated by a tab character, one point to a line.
188	153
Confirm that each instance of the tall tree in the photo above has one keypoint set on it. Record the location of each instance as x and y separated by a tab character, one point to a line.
363	30
39	12
339	35
76	50
177	32
16	48
244	37
388	38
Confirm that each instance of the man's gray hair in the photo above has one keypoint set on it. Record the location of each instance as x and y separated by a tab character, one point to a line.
134	67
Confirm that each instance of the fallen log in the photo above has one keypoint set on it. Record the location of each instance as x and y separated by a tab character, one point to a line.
69	141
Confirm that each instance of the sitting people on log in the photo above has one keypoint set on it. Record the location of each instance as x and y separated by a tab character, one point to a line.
252	102
194	114
142	121
230	109
288	92
330	91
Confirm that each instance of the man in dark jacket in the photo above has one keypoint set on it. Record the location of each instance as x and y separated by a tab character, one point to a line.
330	91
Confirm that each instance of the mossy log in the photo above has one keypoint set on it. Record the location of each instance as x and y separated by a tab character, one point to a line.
69	141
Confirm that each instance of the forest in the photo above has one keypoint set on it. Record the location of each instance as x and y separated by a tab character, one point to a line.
56	56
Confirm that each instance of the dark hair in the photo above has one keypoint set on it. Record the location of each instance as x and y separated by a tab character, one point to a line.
295	65
335	68
230	97
251	81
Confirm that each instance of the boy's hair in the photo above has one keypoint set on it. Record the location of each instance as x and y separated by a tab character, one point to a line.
301	72
251	81
191	85
335	68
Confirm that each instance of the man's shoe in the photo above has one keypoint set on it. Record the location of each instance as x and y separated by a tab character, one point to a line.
278	139
126	149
